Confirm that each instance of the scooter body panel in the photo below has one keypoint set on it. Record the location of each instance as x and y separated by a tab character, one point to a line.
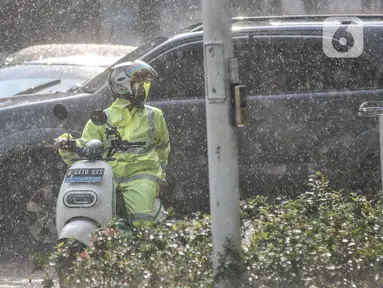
86	194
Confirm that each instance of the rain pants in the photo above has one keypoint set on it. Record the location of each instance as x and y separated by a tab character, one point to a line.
137	171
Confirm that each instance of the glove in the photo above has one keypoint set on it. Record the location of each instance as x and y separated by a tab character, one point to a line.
59	143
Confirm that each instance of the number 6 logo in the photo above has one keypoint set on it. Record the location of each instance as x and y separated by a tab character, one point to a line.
342	37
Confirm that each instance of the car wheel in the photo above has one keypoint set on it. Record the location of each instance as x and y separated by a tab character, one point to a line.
29	193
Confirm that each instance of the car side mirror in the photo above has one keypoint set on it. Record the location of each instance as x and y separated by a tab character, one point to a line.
98	117
60	111
370	109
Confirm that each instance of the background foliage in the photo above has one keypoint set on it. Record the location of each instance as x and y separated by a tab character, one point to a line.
321	239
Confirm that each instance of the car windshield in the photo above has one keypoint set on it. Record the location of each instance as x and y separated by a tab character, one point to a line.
98	81
69	54
18	78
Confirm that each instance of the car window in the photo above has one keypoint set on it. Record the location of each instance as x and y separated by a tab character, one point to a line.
95	83
18	78
270	66
180	73
9	88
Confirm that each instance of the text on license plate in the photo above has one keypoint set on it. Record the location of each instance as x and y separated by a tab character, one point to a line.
84	175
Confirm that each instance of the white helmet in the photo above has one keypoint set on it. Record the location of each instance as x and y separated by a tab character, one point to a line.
131	80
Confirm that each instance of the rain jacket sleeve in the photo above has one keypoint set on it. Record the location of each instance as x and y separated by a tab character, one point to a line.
162	143
90	132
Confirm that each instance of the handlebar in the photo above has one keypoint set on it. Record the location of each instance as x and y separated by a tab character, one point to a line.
137	144
70	145
116	145
124	145
95	152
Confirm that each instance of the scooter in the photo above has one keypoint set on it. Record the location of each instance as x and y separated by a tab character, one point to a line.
87	196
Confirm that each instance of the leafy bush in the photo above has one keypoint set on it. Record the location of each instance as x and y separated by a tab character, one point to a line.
322	239
173	254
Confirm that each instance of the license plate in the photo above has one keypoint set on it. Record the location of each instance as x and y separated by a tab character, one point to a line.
84	175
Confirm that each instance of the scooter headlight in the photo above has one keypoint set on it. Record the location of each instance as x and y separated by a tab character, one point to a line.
94	150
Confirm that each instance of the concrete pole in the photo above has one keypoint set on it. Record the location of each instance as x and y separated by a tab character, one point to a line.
381	146
221	134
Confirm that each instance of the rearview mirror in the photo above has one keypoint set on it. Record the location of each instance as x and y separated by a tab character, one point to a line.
60	111
98	117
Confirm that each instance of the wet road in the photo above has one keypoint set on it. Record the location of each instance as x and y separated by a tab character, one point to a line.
16	275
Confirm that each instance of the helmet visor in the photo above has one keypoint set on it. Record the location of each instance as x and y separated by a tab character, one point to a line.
140	71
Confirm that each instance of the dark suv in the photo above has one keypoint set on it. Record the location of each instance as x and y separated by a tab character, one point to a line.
302	107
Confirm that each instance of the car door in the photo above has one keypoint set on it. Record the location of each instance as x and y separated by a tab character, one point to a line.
179	92
303	110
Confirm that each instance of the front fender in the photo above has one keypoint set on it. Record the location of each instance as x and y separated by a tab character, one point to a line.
80	229
31	139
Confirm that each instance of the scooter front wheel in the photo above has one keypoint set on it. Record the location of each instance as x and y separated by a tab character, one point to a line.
65	266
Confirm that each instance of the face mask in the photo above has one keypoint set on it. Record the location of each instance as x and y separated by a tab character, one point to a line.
141	90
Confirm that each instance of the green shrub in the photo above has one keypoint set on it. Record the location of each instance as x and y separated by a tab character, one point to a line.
321	239
172	254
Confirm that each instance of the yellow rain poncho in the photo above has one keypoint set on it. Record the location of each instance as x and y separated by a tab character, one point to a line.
137	171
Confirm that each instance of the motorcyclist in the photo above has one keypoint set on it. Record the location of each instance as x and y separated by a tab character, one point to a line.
137	171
